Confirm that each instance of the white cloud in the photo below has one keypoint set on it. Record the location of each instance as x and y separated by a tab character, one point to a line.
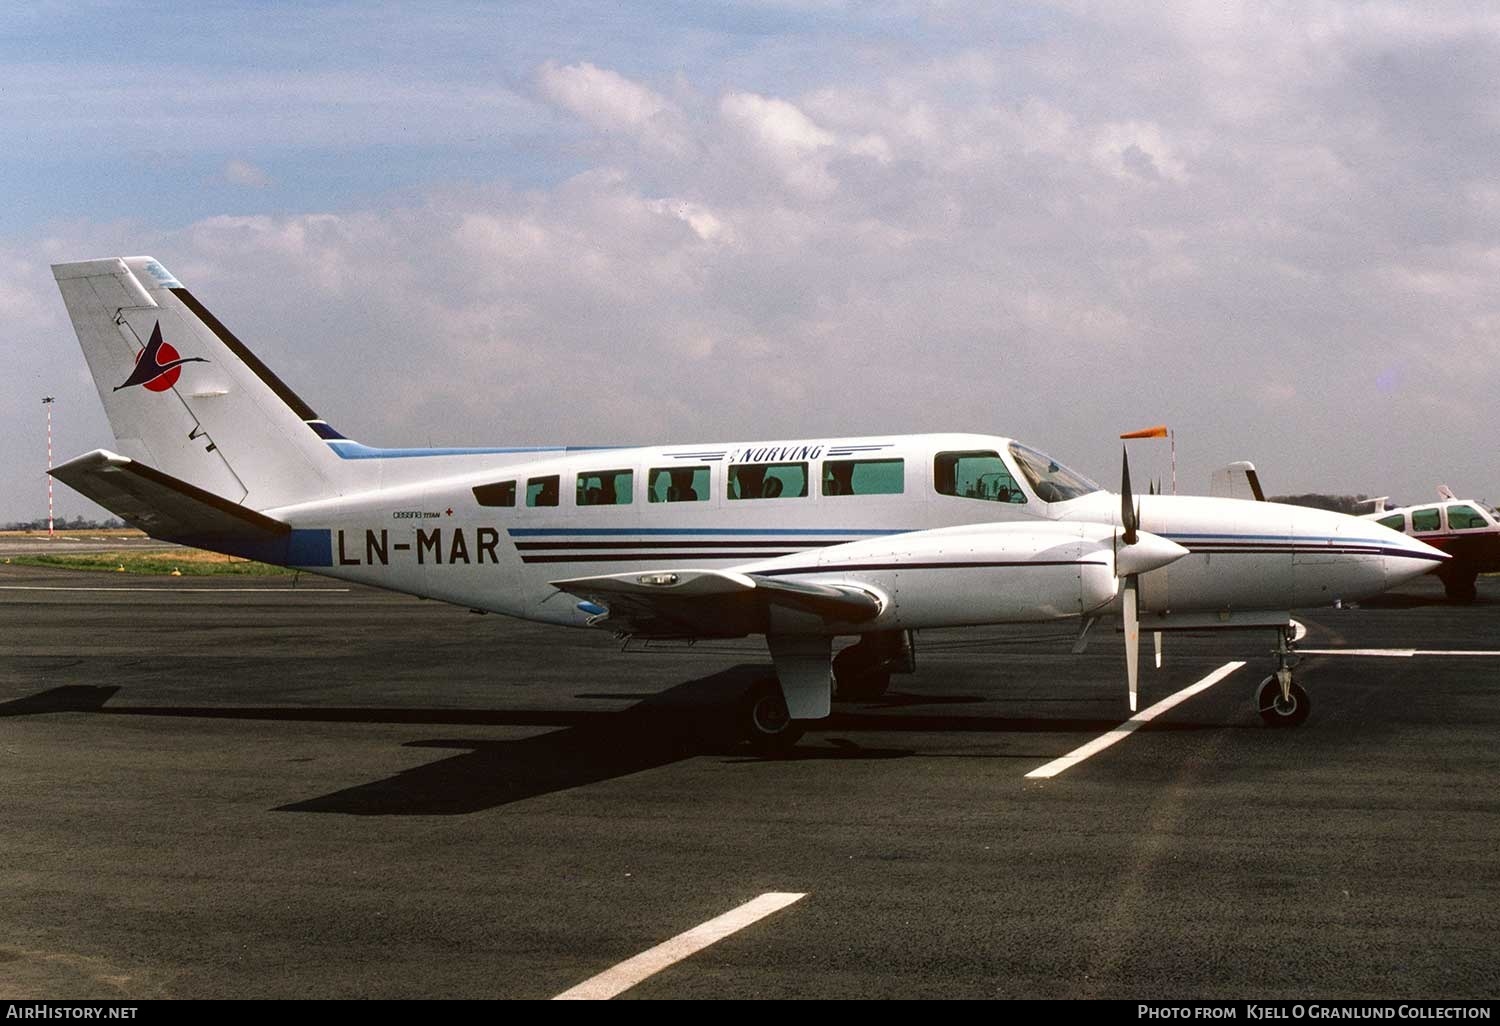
242	172
611	102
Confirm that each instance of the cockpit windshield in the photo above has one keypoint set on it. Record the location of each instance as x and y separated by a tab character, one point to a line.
1051	481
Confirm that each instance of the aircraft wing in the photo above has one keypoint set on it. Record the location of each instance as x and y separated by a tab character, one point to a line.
705	603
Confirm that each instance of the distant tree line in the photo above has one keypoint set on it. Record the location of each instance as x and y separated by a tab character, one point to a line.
65	524
1355	505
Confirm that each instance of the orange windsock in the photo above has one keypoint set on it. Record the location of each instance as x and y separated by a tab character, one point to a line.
1160	431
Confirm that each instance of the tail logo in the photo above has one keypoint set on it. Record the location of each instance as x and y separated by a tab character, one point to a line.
157	367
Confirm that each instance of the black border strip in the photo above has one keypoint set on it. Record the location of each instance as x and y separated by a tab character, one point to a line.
238	348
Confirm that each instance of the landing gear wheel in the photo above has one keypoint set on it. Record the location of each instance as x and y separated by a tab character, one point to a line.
1278	710
855	679
767	726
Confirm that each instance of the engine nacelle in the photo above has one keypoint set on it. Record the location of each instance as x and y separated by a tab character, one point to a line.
980	574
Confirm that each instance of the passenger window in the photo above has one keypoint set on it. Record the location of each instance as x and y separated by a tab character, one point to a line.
975	475
677	484
1463	518
605	487
864	477
1396	522
543	491
1425	520
768	481
502	493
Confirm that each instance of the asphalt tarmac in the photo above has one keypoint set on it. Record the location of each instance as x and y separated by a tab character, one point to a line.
239	789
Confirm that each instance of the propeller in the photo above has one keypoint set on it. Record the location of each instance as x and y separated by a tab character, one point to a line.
1130	518
1136	552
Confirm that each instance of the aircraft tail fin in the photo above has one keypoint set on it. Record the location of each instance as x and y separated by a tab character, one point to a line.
175	510
186	397
1237	480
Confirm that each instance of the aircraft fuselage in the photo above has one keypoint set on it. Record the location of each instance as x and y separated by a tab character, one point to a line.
445	537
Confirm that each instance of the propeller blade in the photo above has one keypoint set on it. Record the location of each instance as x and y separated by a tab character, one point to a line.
1128	518
1157	636
1132	637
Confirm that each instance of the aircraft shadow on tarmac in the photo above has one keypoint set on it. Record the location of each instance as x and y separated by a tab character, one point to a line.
1407	600
688	720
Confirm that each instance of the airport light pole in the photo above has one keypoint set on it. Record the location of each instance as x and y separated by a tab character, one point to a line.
47	401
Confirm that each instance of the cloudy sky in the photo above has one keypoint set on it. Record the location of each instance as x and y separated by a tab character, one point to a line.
1275	227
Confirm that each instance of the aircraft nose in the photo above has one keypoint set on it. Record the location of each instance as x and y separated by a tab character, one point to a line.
1410	558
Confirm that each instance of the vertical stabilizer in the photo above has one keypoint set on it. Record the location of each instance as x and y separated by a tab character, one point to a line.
184	396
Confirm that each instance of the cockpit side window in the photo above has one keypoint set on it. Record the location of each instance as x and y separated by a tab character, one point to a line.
1051	481
975	475
1396	521
1425	520
1465	518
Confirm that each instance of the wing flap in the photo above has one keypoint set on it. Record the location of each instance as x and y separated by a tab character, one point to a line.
708	603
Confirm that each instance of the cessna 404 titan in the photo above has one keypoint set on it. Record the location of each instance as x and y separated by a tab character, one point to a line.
802	541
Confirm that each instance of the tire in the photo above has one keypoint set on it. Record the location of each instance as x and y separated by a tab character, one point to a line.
1278	713
765	721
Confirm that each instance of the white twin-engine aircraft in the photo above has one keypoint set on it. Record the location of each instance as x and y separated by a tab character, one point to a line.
803	541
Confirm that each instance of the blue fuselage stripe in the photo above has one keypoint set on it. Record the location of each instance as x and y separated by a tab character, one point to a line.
355	451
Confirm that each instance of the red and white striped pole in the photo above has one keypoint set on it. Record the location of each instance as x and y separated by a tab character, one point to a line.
47	402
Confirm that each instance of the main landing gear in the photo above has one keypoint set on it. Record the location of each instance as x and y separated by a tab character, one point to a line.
863	670
1280	699
767	725
777	709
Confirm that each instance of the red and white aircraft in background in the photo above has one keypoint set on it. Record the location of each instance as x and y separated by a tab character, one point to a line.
1466	529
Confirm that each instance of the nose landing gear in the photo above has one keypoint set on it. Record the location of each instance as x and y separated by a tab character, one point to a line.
1281	700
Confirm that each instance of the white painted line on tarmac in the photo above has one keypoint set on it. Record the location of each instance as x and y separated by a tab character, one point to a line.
292	591
633	970
1399	653
1131	725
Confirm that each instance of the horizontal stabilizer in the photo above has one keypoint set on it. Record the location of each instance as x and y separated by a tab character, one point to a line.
159	504
173	510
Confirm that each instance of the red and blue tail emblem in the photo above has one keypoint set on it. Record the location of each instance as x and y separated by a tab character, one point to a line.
157	367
